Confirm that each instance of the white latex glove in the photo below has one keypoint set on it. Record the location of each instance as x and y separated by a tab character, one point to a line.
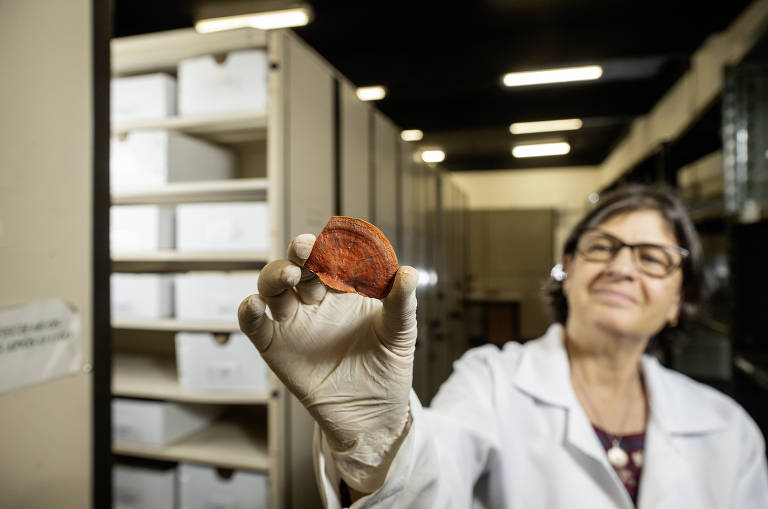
347	358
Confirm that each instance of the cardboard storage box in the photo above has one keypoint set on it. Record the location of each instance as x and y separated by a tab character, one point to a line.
238	226
235	84
213	296
138	487
141	228
202	487
155	157
157	422
223	362
145	97
141	295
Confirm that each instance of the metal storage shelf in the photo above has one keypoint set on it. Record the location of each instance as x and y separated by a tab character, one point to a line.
153	377
251	189
163	261
224	444
221	128
172	324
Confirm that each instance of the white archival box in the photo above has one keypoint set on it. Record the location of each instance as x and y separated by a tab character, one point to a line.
238	84
135	487
213	296
157	422
140	228
155	157
202	487
204	363
144	97
234	226
141	295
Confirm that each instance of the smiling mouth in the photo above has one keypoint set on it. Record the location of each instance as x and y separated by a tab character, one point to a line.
614	295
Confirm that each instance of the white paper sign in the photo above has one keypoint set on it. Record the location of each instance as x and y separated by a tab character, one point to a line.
38	341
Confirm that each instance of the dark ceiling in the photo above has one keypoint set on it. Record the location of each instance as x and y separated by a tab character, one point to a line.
442	63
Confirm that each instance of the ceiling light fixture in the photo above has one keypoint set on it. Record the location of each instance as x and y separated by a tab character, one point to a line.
374	93
520	79
541	149
411	135
433	156
267	20
568	124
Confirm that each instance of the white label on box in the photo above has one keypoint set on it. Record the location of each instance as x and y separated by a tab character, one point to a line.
129	496
220	501
126	432
224	371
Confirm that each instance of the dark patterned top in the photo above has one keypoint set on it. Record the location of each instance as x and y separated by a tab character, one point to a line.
634	446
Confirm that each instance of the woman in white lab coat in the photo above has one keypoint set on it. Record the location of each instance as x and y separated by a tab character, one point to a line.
581	417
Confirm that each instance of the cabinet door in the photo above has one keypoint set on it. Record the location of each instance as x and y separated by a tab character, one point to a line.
309	198
309	129
47	161
385	177
355	179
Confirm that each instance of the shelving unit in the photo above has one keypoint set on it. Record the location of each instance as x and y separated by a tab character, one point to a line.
270	147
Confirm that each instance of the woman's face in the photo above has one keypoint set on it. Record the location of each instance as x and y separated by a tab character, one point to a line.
615	295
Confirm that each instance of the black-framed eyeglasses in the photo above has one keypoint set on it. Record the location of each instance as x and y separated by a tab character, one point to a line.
654	260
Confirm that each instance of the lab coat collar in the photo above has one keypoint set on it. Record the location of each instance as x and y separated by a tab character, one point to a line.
543	372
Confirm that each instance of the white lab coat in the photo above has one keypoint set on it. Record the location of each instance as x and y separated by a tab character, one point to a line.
506	431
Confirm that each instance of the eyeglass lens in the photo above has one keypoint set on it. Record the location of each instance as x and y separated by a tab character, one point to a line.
651	259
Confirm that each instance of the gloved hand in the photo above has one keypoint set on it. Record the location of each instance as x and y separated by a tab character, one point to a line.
347	358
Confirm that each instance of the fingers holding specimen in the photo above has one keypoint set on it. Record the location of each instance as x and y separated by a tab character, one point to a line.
254	322
311	290
404	285
399	311
276	283
300	248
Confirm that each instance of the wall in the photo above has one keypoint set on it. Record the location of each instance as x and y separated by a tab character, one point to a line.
563	190
512	208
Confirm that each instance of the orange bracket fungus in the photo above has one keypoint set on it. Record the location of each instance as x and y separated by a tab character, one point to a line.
354	256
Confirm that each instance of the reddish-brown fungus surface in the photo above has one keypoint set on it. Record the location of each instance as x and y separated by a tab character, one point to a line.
353	255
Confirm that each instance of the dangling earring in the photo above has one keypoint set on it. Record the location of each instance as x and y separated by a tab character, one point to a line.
558	274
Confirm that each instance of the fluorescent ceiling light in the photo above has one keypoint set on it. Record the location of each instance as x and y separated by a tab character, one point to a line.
568	124
411	135
541	149
433	156
263	20
374	93
519	79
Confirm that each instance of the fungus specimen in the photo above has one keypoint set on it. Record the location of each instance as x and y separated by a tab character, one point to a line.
352	255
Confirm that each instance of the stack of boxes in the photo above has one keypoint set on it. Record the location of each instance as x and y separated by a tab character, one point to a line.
148	158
